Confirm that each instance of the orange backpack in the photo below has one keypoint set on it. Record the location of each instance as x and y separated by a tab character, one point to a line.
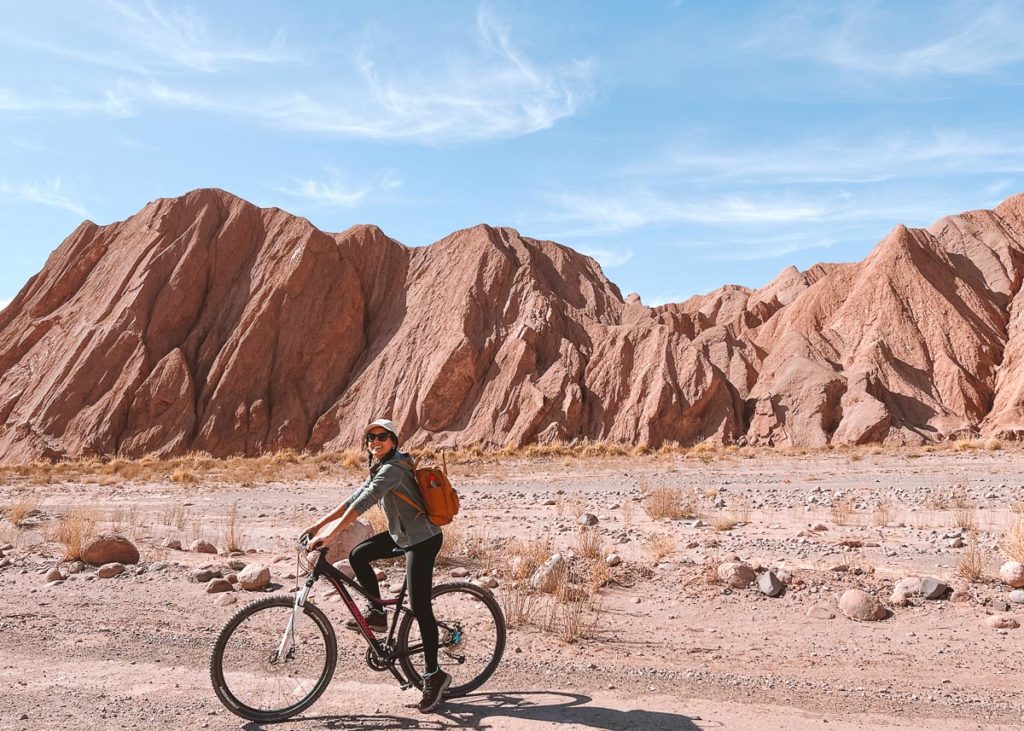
439	497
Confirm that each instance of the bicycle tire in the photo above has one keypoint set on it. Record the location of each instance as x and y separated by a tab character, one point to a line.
478	594
221	686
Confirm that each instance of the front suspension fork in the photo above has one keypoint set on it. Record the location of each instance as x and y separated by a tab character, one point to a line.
288	640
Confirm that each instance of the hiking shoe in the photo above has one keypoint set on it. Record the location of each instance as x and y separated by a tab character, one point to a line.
434	686
376	618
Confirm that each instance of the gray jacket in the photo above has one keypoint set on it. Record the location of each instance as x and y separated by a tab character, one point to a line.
406	525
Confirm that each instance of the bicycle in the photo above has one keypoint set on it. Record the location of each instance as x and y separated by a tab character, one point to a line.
276	656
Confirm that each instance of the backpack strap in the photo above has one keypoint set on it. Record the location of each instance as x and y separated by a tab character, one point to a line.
411	464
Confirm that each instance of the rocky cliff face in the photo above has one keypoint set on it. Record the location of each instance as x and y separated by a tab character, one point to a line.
205	323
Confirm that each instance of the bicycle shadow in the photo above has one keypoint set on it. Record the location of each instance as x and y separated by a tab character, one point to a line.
473	710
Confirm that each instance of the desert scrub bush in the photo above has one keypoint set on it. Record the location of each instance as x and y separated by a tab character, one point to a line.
175	514
971	564
184	476
233	534
18	512
659	545
937	499
571	505
723	522
669	502
628	509
1012	542
125	519
964	513
73	531
518	602
884	512
741	508
841	510
526	555
588	543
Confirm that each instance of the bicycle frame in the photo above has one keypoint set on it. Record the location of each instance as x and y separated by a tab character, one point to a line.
339	581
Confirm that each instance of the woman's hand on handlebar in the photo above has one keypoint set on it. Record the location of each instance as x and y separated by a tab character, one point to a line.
310	542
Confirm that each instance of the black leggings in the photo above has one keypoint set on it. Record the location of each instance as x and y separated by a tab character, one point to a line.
419	575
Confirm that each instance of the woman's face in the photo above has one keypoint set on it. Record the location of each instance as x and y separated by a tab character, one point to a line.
379	442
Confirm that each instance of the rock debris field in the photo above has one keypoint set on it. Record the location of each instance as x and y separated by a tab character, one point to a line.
852	589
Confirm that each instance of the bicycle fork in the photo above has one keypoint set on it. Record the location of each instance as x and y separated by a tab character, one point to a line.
288	640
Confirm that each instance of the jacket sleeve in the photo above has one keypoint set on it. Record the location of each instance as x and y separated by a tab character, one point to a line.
386	479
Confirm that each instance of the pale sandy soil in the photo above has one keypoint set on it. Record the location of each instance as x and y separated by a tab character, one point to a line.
132	652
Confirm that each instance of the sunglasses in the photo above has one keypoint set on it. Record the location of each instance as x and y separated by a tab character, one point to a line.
380	436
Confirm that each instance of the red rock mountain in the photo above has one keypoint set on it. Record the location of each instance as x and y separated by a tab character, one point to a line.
205	323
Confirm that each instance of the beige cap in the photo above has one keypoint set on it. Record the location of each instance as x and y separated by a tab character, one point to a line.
385	424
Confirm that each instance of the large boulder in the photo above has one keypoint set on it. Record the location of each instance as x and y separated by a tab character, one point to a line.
201	546
736	574
110	548
349	539
1012	574
861	606
549	575
254	577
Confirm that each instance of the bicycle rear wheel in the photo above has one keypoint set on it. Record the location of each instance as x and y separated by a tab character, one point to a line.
471	629
248	675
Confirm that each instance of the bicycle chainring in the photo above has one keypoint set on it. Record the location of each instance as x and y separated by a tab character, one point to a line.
376	662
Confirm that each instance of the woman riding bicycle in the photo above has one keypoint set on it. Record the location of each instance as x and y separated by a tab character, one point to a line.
392	485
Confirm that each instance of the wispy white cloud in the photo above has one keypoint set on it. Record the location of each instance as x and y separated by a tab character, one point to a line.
606	213
608	258
50	193
4	303
141	38
769	247
336	192
111	103
494	94
490	91
965	40
181	37
869	159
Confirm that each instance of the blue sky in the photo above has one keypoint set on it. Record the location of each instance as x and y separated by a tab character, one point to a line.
684	145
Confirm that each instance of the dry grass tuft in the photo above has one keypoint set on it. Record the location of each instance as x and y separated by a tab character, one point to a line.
126	520
175	515
233	538
884	512
628	511
841	510
1012	542
18	512
659	545
185	476
73	531
588	543
669	502
724	522
966	518
971	564
526	556
937	499
740	508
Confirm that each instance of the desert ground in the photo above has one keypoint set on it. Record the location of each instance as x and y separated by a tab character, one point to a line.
659	640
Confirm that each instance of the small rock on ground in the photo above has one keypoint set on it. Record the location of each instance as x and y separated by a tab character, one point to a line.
110	570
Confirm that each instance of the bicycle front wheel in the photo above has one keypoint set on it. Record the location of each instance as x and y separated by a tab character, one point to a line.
471	637
262	672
